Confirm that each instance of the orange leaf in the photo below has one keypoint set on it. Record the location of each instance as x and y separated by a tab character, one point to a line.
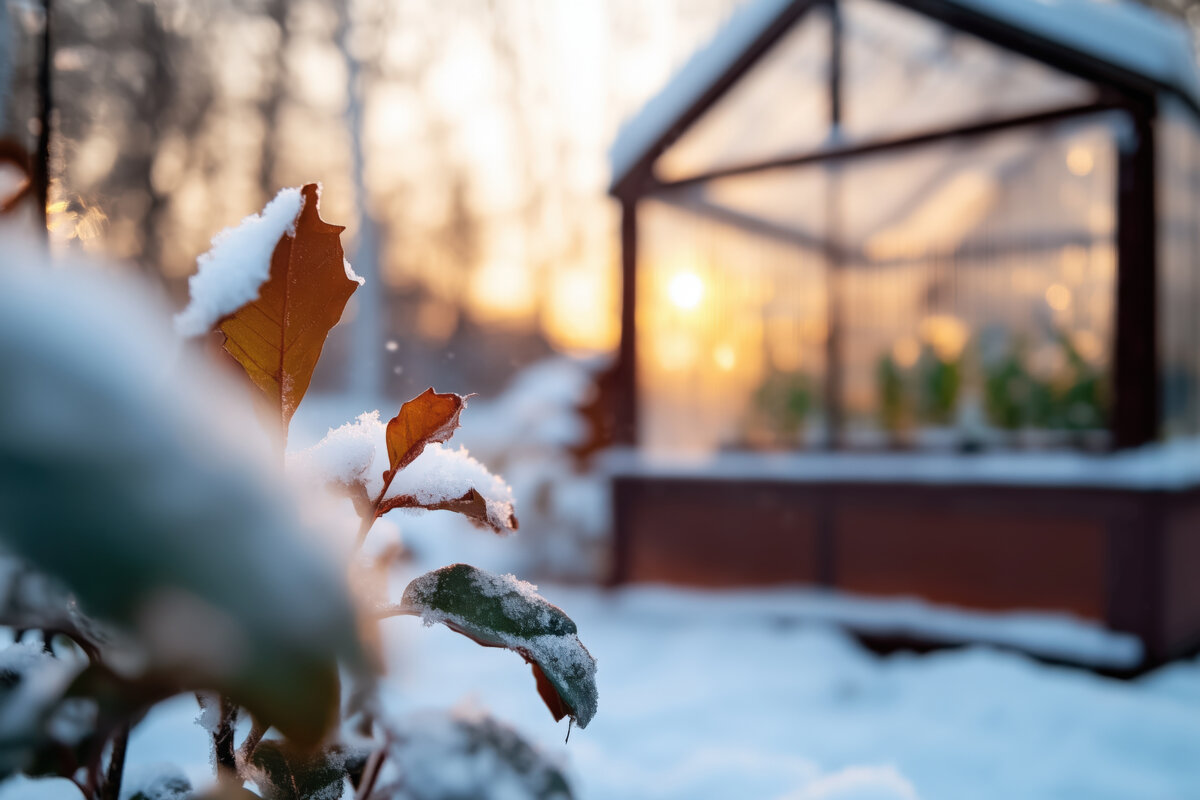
278	337
427	418
471	505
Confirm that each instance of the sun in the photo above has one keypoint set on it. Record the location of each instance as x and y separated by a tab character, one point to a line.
686	290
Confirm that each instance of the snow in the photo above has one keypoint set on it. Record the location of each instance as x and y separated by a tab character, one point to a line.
345	455
465	753
859	783
1173	465
229	275
351	274
1116	31
156	782
356	453
714	695
517	597
644	129
1124	33
441	473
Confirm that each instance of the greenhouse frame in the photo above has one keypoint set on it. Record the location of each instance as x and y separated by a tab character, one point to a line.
949	245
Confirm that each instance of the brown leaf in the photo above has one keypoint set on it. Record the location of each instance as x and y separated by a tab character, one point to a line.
278	337
429	417
14	157
471	505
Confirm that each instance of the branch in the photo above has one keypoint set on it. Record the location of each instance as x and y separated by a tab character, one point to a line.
116	765
223	740
396	610
257	732
371	773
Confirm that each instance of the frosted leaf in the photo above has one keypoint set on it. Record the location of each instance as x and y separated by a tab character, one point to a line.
465	753
501	611
441	474
283	772
356	455
229	275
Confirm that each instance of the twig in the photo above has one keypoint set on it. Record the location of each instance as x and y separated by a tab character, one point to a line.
396	610
250	744
116	765
223	740
371	773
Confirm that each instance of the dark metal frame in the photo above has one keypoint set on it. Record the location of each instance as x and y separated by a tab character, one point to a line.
1136	413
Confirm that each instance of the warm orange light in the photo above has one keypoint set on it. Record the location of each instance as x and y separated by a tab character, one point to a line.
501	290
725	357
580	313
686	290
946	334
1080	160
906	351
1058	297
1088	345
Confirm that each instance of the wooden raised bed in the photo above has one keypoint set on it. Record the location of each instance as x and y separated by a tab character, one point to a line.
1128	558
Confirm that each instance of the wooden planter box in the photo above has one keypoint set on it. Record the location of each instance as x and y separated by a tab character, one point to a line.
1128	558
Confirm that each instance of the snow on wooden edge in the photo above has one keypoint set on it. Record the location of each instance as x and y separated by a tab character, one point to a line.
230	274
1172	465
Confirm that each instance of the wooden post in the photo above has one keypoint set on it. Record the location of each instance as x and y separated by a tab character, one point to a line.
1135	416
625	395
45	84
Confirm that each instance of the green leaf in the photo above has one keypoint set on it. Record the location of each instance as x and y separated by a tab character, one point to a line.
501	611
284	772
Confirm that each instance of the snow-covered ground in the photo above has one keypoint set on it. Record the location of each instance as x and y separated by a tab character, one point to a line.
752	694
697	702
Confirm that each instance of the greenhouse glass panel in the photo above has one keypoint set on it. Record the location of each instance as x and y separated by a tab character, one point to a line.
1179	255
780	107
975	285
905	73
730	324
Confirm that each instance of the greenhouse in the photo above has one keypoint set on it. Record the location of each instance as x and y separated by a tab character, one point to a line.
911	308
864	224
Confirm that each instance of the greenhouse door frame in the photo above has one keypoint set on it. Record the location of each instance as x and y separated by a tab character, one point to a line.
1135	418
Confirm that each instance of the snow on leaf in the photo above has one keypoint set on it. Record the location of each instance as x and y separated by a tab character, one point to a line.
439	479
229	275
502	611
278	335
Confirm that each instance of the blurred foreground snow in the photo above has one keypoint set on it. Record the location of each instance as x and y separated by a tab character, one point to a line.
698	703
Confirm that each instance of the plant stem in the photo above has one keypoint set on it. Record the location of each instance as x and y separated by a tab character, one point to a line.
257	731
223	746
111	789
370	773
364	529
